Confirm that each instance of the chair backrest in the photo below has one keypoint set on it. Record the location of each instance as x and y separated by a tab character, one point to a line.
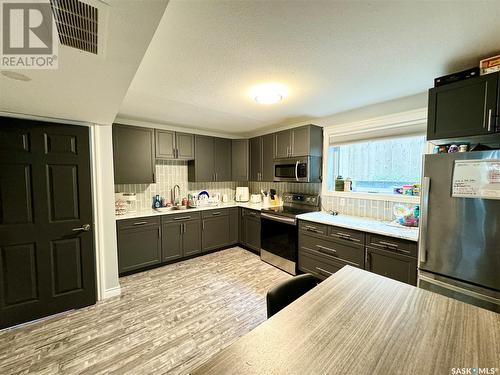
288	291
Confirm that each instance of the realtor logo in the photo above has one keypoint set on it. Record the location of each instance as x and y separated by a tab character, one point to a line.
29	36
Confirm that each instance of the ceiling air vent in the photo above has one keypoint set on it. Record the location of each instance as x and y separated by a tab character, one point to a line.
76	24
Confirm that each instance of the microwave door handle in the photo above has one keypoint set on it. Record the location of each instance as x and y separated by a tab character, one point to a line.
297	170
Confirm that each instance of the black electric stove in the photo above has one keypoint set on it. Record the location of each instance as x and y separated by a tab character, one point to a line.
279	230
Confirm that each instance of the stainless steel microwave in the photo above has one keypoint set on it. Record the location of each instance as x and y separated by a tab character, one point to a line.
301	169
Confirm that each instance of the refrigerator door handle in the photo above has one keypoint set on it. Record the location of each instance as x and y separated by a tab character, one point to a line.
424	210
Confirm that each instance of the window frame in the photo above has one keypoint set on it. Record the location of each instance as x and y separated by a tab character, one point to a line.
402	124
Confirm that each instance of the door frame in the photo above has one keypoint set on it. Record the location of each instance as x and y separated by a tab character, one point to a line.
99	235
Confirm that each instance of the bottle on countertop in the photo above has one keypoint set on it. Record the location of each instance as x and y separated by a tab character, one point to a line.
347	184
157	201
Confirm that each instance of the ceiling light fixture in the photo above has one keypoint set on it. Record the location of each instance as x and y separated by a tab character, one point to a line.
268	93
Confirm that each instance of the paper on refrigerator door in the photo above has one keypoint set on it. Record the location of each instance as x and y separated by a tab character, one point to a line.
476	179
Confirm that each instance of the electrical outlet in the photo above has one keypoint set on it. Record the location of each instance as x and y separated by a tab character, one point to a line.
342	201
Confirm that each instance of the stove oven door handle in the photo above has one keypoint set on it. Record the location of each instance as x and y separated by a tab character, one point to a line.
281	219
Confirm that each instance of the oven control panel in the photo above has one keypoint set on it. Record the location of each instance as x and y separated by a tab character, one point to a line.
299	198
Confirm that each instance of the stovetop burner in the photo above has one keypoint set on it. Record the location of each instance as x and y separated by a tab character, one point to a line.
288	211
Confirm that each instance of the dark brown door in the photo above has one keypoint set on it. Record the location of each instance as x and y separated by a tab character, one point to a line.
47	263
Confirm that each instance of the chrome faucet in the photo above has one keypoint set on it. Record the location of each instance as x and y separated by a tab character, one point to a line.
176	194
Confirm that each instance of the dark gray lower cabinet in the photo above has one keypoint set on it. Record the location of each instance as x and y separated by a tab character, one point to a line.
215	229
139	244
234	225
393	265
250	229
324	249
181	235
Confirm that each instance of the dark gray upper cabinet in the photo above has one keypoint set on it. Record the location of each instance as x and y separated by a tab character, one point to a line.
261	158
255	158
202	168
267	158
173	145
133	154
165	144
240	160
212	160
302	141
222	154
463	109
139	243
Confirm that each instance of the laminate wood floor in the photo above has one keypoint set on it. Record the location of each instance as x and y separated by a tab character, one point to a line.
167	320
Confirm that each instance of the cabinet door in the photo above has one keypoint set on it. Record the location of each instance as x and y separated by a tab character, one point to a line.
222	159
283	142
133	154
165	144
300	141
267	158
191	237
464	108
252	233
202	169
234	227
184	144
392	265
239	162
171	241
215	232
138	247
255	158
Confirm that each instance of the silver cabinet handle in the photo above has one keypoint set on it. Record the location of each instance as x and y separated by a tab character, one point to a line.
182	218
489	119
203	225
184	228
297	170
138	223
388	244
326	249
216	213
424	210
83	228
322	271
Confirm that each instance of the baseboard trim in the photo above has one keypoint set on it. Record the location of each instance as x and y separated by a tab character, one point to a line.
113	292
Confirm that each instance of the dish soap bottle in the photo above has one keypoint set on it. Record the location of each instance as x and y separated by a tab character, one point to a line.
339	183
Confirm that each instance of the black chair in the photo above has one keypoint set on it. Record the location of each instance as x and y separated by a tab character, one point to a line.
288	291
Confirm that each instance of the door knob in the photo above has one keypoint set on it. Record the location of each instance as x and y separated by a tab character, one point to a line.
83	228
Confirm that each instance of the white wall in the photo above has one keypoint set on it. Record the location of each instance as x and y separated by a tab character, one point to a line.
104	212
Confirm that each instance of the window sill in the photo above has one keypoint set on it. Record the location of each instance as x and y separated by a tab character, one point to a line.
375	196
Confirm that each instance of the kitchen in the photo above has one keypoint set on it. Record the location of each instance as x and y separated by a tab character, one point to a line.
169	235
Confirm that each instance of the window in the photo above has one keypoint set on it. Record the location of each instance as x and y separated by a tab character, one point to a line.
377	166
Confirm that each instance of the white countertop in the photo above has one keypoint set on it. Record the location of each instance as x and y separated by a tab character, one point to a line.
153	212
363	224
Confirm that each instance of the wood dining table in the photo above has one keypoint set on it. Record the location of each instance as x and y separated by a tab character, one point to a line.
357	322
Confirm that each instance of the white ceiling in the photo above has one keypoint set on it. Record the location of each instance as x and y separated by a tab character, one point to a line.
334	55
87	87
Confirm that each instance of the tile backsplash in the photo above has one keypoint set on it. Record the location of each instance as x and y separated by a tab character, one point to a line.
173	172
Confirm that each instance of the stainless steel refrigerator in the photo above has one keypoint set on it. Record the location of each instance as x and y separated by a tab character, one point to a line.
459	244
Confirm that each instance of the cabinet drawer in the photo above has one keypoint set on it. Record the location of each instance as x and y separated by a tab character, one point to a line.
308	226
397	245
214	213
318	266
137	223
172	218
353	255
251	213
344	234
